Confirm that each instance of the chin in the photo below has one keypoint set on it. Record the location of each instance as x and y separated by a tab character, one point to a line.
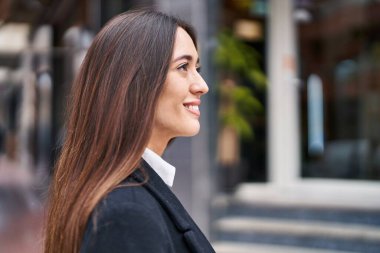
191	130
194	133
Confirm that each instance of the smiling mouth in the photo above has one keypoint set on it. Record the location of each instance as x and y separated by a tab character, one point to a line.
193	109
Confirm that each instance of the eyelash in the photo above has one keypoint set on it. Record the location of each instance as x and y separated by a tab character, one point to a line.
186	65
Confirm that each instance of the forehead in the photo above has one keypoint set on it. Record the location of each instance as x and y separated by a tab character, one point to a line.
183	44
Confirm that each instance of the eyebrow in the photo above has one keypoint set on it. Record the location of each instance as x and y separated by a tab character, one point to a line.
186	57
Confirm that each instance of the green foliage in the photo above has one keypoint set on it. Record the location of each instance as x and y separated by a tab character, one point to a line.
238	103
233	56
238	113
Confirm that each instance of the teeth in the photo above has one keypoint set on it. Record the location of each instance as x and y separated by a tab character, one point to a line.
192	107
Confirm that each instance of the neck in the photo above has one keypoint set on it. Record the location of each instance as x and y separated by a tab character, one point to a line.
158	142
157	146
159	150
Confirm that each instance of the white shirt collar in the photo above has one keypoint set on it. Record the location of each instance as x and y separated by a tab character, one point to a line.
165	170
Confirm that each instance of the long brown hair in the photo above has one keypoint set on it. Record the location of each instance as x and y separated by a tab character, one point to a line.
110	121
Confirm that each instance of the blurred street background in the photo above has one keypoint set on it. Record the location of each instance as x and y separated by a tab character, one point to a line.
288	157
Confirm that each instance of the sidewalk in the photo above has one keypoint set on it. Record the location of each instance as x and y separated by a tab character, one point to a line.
21	214
22	234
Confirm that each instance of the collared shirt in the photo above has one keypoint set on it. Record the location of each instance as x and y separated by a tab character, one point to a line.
165	170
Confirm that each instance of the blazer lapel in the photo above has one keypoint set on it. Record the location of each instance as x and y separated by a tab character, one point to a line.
195	239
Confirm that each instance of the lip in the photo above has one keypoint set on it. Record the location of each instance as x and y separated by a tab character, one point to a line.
193	103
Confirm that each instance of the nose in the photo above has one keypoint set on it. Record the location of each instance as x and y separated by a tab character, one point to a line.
199	86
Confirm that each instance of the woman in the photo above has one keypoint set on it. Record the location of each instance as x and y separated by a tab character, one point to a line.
138	88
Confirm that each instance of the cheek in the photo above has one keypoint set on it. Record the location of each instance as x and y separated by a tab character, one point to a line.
173	98
170	109
173	120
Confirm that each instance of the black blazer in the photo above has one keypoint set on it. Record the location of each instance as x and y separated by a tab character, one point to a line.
147	218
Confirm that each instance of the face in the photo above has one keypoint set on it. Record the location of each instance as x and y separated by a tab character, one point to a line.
178	106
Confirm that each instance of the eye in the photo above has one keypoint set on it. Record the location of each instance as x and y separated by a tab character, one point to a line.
183	67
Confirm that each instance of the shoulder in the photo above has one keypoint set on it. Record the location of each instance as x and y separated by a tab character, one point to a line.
126	219
131	206
124	201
